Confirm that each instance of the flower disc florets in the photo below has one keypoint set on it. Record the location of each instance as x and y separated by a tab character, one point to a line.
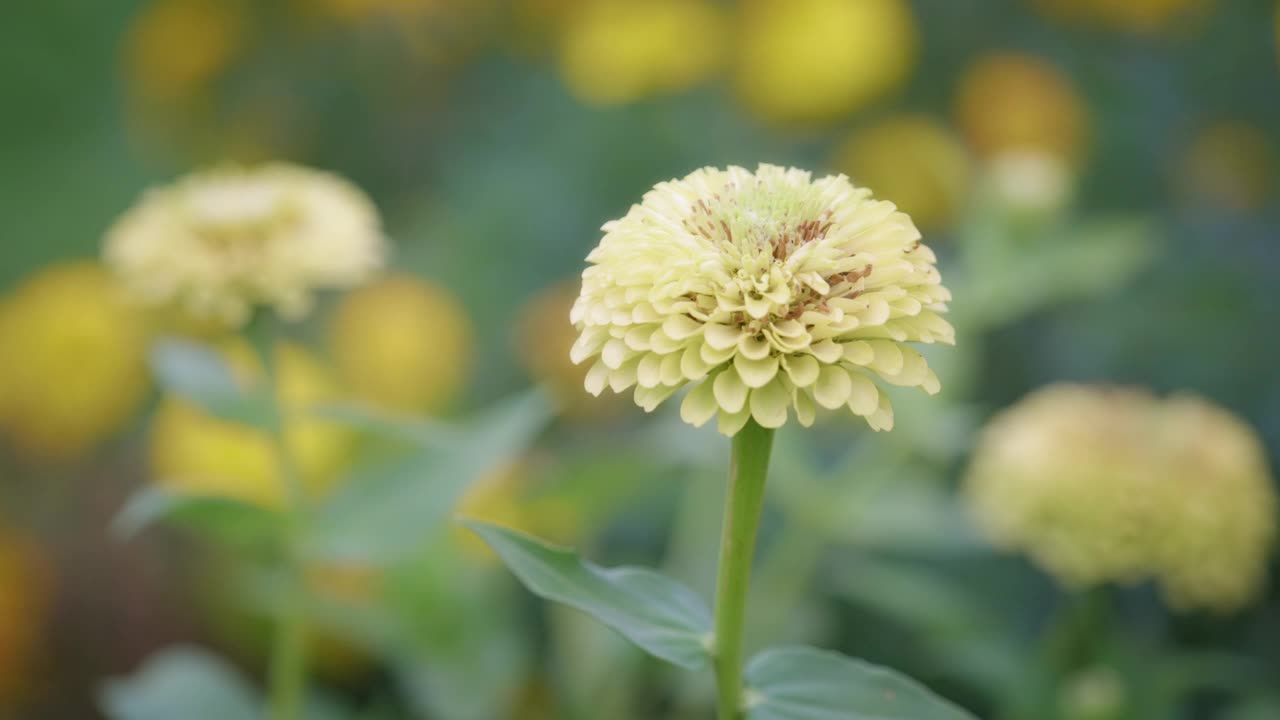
216	244
766	291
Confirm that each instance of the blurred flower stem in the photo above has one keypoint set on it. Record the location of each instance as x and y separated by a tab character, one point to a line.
288	669
748	469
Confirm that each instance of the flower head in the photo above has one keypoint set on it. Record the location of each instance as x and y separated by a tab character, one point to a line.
218	243
402	344
1101	485
54	404
768	292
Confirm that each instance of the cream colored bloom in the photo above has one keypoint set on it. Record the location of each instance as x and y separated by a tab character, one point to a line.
1100	485
217	244
768	292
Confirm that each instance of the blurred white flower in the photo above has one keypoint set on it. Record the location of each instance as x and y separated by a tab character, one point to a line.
216	244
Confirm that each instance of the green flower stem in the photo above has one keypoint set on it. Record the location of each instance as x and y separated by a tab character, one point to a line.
748	469
288	670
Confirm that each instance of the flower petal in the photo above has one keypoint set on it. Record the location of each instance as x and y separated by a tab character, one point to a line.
769	404
756	373
730	391
699	405
864	396
802	369
833	387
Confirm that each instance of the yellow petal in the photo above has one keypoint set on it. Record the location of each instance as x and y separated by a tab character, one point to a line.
859	352
769	404
756	373
722	337
805	409
754	347
730	391
679	327
730	423
833	387
699	405
864	396
803	369
692	366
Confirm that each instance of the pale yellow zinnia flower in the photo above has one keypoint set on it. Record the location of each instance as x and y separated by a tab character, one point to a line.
1100	485
72	360
217	244
402	344
767	292
193	452
818	60
619	51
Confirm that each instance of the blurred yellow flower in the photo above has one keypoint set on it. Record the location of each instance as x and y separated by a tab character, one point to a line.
191	451
912	161
176	49
24	606
505	497
1143	16
818	60
402	344
1230	164
544	338
619	51
1100	485
1017	102
72	360
217	244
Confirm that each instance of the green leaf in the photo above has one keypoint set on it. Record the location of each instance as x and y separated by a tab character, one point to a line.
199	374
185	683
661	616
396	508
221	517
809	684
365	419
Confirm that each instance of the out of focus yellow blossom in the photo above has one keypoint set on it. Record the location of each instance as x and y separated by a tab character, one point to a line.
1100	485
913	161
217	244
402	344
819	60
191	451
1230	164
544	337
24	603
1029	181
1141	16
176	49
1017	102
506	497
72	360
620	51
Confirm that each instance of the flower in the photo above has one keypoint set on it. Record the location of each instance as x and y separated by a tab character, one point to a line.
817	60
1010	101
620	51
1100	485
1029	182
193	452
765	292
54	404
217	243
913	161
401	344
176	49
